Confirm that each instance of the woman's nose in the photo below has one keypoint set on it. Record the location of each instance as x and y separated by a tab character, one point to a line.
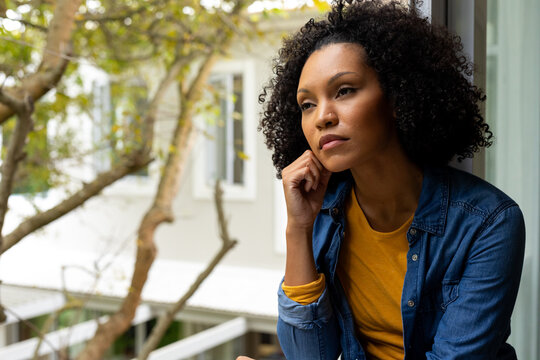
326	118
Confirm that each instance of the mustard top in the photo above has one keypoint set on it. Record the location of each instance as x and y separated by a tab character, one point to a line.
371	269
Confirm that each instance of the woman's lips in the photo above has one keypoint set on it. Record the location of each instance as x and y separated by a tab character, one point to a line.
330	141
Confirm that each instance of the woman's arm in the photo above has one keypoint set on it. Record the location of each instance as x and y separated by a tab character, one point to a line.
308	331
305	331
477	324
304	185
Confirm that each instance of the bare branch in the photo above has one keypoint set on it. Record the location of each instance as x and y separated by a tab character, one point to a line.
159	212
161	209
72	304
130	164
166	319
171	76
15	152
196	86
40	334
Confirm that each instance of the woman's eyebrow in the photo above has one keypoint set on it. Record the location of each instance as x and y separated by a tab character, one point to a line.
330	81
338	75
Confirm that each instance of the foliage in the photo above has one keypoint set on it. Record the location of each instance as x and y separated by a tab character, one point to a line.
141	49
123	38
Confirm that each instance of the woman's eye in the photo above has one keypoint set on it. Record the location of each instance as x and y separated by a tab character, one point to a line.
305	106
345	91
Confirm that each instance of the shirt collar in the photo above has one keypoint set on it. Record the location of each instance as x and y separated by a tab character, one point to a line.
430	214
338	188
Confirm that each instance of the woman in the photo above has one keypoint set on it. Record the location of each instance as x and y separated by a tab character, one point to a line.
390	253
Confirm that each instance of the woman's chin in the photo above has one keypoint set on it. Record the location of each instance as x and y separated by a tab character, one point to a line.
335	168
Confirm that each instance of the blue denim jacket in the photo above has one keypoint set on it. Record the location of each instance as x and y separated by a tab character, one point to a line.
466	247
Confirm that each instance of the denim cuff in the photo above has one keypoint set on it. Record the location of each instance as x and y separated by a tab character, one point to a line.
304	316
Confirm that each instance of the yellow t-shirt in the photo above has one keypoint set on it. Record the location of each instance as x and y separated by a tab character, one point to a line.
371	269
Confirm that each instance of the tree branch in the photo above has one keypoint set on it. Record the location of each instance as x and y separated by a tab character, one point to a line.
166	319
73	304
120	16
159	212
38	332
170	77
196	86
130	164
15	149
28	23
118	55
52	64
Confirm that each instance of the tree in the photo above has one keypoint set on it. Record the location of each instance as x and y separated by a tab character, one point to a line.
184	39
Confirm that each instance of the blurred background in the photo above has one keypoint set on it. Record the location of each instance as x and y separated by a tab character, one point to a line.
118	118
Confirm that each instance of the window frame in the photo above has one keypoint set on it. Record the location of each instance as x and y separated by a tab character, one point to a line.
245	192
131	184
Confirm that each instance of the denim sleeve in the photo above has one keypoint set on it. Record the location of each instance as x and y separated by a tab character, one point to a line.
477	323
307	332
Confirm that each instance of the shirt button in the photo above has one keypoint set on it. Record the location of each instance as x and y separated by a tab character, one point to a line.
410	303
414	257
412	232
335	211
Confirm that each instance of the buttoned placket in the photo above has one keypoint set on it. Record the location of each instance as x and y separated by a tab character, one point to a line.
410	286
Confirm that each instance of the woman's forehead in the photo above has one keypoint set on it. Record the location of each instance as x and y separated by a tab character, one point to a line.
334	59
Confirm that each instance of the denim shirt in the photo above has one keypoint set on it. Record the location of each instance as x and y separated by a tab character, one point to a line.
466	248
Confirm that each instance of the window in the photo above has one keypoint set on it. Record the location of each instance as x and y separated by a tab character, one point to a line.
225	138
226	151
117	114
118	109
512	55
102	123
512	163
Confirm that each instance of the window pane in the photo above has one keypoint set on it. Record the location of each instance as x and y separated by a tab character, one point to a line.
225	146
513	90
238	127
216	128
221	134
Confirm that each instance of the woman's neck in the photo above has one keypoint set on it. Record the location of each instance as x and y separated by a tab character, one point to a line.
388	190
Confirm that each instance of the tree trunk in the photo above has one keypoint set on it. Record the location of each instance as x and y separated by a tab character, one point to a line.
159	212
166	319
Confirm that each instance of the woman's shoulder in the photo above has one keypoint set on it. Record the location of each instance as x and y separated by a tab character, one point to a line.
472	193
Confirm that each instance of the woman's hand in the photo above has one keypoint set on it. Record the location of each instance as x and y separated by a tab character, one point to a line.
304	184
244	358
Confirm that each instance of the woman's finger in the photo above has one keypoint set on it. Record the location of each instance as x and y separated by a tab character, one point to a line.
315	173
316	161
309	178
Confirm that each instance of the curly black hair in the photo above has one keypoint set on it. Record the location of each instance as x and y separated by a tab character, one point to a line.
421	69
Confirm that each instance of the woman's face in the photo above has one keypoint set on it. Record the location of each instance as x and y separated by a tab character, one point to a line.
346	119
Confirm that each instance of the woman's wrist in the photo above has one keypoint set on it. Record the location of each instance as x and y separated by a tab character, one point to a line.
298	230
300	265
